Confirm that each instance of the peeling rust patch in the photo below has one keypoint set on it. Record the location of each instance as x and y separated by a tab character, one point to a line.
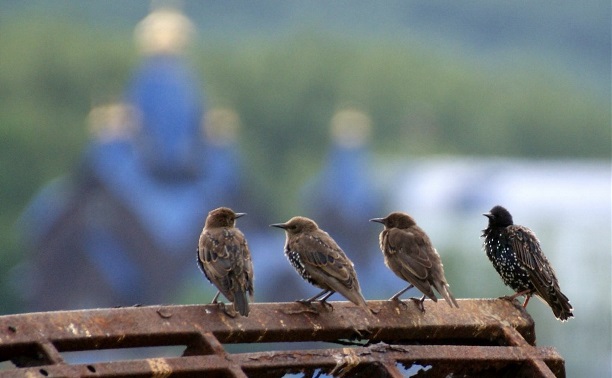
345	362
78	331
264	330
159	367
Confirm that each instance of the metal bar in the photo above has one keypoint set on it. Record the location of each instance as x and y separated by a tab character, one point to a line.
456	359
269	322
460	358
50	352
213	365
514	338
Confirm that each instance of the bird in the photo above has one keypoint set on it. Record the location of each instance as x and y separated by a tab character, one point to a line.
409	253
224	257
517	256
320	261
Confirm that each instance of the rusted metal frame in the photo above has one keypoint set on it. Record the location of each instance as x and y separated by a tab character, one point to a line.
211	365
544	368
335	361
49	350
458	358
268	322
200	328
209	357
210	354
233	368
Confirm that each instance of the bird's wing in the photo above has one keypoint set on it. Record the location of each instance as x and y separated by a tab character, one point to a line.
411	251
321	252
200	262
529	253
221	255
248	267
540	271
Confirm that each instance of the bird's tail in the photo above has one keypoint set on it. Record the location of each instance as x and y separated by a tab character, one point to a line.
357	298
241	304
446	293
559	304
354	295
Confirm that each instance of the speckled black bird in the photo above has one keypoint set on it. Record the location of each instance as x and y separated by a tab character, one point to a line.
320	261
224	257
409	254
517	256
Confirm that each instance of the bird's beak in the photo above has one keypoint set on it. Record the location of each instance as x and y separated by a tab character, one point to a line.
238	215
377	220
488	215
279	225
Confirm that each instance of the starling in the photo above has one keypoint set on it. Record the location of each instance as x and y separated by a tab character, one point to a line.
517	256
320	261
410	255
224	257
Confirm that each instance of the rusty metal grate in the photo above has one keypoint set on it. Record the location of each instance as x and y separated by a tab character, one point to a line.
483	337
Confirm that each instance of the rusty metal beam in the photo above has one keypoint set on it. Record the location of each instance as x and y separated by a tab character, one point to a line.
453	360
480	333
270	322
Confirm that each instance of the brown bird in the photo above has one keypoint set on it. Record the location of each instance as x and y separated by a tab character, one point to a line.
224	257
320	261
411	256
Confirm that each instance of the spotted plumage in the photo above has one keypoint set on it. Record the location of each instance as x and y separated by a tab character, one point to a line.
409	253
296	263
320	261
224	257
518	258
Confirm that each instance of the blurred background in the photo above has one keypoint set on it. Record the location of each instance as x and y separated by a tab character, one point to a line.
123	124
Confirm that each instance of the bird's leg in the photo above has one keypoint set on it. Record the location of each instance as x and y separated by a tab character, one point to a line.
397	295
222	306
527	298
323	300
520	293
419	302
308	301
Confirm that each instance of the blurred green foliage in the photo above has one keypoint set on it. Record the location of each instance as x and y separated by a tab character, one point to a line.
285	91
421	103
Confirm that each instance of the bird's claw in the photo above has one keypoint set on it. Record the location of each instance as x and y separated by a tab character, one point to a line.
399	301
308	304
509	298
325	304
419	303
222	307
